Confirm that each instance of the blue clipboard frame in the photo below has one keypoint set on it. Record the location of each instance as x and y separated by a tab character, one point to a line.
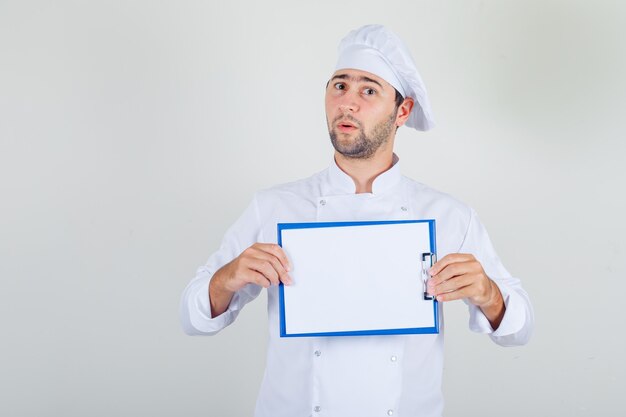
281	291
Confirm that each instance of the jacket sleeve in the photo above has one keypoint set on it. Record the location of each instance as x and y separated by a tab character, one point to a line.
195	307
518	322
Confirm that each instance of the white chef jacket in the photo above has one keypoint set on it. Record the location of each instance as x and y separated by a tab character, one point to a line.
365	376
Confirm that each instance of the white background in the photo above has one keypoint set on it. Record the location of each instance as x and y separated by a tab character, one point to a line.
133	133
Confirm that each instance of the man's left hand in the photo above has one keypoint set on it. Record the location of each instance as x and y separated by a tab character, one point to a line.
460	275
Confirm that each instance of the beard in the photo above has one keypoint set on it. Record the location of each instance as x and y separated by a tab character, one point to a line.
365	145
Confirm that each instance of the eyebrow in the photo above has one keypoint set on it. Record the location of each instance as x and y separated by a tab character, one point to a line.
359	79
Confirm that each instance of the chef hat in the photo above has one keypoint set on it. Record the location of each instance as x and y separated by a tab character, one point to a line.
375	49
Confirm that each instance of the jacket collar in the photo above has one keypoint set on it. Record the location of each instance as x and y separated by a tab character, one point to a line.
341	183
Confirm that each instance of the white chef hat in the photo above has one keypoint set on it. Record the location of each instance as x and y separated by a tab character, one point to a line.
376	49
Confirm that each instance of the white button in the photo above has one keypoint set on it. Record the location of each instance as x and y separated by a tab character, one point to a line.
394	358
403	209
322	202
389	412
317	409
318	353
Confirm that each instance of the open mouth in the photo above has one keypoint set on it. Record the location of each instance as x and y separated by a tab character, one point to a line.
346	126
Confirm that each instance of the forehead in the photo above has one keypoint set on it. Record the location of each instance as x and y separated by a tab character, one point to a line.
359	76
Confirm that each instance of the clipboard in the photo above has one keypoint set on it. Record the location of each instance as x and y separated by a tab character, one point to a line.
358	278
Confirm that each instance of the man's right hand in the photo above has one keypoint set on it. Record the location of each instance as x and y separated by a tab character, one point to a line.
263	264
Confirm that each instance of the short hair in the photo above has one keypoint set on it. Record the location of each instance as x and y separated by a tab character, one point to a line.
399	98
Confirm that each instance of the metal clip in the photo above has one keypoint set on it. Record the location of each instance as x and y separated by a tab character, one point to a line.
427	259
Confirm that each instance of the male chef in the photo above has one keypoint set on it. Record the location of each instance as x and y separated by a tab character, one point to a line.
374	90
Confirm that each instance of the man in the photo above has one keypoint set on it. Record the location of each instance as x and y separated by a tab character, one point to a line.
374	90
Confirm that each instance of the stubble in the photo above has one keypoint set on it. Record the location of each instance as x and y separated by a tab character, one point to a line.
365	145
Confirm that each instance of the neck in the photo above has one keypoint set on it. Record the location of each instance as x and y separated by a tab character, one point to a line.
364	171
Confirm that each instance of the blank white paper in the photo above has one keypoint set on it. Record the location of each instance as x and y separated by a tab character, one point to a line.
356	278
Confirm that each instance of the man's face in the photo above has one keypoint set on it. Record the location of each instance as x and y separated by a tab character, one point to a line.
360	113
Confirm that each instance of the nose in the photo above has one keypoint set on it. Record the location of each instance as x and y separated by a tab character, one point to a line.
348	104
348	108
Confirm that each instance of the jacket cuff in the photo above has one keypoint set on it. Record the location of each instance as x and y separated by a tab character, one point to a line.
514	315
200	311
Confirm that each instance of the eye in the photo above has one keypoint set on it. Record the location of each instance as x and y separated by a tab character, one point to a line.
340	86
369	91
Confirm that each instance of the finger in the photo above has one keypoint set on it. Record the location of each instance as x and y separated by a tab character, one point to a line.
277	251
449	259
255	277
266	268
283	276
466	290
450	271
453	295
452	284
467	286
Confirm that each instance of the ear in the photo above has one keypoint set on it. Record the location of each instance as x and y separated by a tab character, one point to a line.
404	111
